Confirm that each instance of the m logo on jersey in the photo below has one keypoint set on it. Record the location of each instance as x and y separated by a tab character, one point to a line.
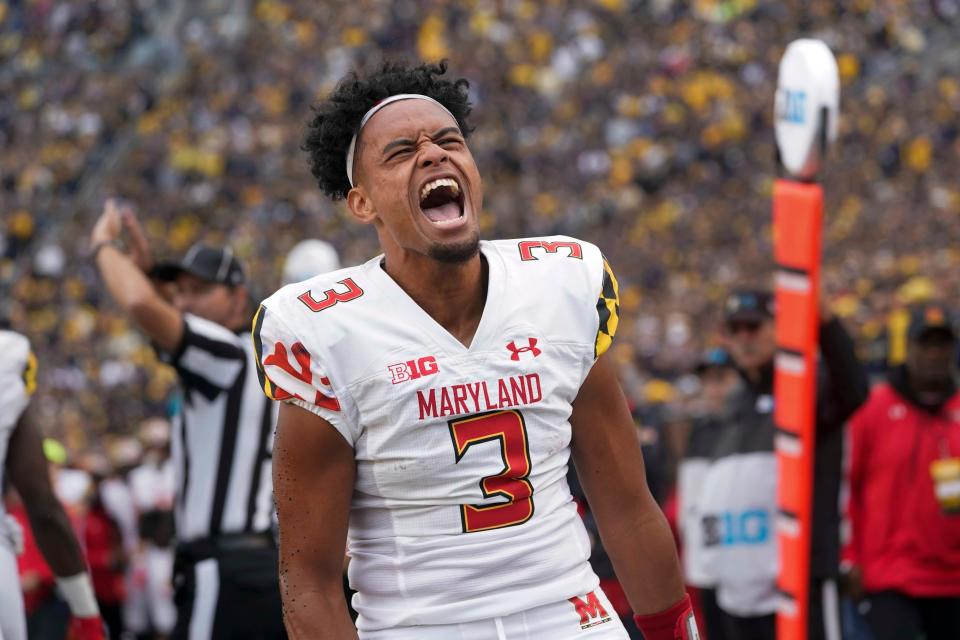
591	610
527	247
515	351
413	369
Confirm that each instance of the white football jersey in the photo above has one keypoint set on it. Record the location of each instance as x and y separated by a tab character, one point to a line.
461	509
18	379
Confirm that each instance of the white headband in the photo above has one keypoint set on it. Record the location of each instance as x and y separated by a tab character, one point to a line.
369	114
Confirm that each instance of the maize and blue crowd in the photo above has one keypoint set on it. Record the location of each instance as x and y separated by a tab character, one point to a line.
644	126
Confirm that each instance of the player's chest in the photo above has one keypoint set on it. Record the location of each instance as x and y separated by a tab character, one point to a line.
420	389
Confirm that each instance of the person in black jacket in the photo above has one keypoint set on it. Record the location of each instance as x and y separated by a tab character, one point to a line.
738	503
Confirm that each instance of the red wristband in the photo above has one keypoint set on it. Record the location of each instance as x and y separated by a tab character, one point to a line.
675	623
86	629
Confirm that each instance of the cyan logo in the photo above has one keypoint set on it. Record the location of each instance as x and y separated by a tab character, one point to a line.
792	109
730	528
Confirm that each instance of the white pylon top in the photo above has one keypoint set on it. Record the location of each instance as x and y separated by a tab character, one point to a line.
807	84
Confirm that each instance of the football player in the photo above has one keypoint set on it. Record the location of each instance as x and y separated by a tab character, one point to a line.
23	463
434	396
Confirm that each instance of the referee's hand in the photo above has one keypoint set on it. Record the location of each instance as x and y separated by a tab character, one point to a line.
139	247
108	226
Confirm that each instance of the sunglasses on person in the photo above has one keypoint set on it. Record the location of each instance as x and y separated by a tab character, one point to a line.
743	326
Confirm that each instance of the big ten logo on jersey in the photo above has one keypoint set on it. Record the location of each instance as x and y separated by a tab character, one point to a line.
573	249
349	290
730	528
590	610
413	369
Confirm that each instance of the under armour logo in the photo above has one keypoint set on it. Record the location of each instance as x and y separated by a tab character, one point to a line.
515	351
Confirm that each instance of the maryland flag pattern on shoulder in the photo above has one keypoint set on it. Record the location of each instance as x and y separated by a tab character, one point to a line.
608	310
30	374
265	383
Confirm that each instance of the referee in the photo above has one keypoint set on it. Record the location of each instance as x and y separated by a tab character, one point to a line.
226	567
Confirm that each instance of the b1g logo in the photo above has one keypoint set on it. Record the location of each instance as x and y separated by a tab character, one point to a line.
590	610
413	369
792	107
736	528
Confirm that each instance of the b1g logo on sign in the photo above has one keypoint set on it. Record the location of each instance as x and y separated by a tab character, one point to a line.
729	528
792	107
413	369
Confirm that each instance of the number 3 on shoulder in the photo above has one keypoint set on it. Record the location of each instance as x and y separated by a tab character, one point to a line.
331	296
527	247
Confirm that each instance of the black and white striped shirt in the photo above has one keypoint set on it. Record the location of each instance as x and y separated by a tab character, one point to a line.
223	441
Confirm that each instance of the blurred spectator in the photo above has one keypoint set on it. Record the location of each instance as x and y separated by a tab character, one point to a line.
738	499
151	611
718	379
103	543
903	557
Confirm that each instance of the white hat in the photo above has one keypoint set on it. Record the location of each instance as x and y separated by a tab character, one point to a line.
309	258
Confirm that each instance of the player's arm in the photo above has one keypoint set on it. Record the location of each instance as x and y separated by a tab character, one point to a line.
126	281
313	474
28	472
634	531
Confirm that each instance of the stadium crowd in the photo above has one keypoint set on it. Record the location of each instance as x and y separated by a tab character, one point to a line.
644	126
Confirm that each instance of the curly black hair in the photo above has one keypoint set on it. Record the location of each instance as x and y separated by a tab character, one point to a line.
336	119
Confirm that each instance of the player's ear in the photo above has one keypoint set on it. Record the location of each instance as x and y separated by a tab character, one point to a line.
361	206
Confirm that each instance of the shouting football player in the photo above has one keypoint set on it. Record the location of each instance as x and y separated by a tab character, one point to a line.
434	396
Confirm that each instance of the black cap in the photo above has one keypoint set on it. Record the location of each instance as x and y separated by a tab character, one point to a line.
748	305
930	318
716	358
205	262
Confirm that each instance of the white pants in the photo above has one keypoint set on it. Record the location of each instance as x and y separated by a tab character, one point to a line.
149	604
590	618
13	624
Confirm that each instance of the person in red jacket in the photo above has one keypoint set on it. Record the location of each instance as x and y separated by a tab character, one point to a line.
903	556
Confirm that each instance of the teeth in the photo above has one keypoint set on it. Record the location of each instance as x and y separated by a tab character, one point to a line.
436	184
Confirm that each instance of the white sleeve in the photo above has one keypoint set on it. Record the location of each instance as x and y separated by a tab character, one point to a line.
18	376
290	373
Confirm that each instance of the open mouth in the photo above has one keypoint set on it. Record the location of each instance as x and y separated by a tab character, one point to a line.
441	201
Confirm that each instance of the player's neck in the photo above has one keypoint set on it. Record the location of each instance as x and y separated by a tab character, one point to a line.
453	295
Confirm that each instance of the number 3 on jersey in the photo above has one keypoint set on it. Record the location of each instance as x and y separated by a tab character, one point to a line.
331	296
509	429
